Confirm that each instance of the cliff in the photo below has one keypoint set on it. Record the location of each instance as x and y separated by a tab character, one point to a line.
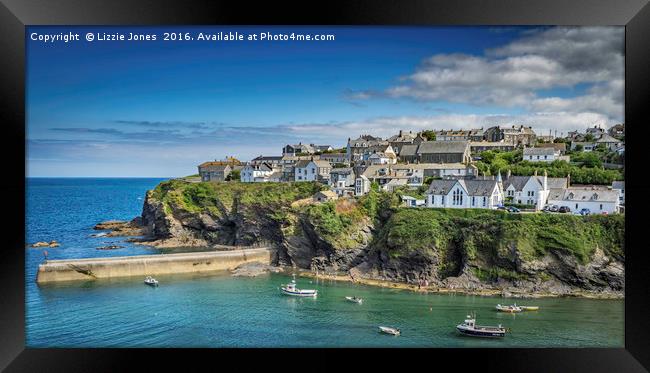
375	239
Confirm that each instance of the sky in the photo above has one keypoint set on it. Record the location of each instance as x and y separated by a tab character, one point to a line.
158	108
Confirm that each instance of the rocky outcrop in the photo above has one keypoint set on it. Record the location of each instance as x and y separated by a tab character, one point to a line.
459	253
52	243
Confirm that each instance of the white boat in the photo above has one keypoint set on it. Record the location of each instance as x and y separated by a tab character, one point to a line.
470	328
388	330
354	299
509	309
529	308
151	281
291	289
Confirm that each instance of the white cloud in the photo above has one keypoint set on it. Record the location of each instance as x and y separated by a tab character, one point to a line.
512	75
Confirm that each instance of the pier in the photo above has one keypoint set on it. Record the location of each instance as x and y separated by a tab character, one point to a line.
145	265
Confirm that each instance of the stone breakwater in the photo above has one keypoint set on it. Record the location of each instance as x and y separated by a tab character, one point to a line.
144	265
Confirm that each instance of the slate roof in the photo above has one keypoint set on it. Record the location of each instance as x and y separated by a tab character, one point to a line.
539	151
605	138
473	187
213	167
517	182
584	195
341	170
430	166
268	158
441	186
437	147
618	185
408	150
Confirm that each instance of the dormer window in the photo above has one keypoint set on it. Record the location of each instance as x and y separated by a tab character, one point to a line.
595	196
570	196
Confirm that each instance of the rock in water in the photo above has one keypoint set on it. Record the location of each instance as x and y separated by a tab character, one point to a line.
253	269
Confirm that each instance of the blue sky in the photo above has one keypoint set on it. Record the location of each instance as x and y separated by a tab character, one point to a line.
158	108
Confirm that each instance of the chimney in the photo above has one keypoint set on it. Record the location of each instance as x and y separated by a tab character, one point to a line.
400	133
568	180
545	182
535	172
508	174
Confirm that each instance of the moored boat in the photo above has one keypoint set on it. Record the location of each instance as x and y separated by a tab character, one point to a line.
389	330
151	281
354	300
291	289
469	327
510	309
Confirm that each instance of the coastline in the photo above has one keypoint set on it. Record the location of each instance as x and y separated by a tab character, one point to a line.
442	290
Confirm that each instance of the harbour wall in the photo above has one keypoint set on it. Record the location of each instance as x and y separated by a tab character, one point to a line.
148	265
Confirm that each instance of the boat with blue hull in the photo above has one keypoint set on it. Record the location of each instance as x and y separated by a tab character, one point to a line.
469	327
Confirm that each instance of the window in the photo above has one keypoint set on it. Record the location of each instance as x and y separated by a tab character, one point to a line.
473	201
576	206
443	200
484	201
601	206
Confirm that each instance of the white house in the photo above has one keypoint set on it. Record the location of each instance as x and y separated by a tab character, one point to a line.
251	172
586	146
594	199
382	158
620	186
312	170
609	142
541	154
409	201
361	185
463	193
531	190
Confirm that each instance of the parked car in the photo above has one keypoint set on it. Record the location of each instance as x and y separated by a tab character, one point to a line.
555	208
564	209
513	209
584	211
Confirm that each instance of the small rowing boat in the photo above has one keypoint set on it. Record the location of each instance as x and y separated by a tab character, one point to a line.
469	327
151	281
354	300
388	330
529	308
291	289
509	309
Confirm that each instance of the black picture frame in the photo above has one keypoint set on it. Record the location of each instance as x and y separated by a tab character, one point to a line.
16	14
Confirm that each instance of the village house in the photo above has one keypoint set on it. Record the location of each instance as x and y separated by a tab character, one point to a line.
335	158
214	171
312	170
609	142
583	145
620	186
321	148
382	158
531	190
576	198
442	170
363	145
410	201
342	181
324	196
465	193
252	173
617	130
558	146
518	136
596	131
401	139
460	135
296	149
361	185
272	160
444	152
541	154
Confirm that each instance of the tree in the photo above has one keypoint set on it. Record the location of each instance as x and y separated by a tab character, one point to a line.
429	135
579	148
589	137
234	175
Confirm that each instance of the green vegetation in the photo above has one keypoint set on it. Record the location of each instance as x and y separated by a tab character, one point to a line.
337	222
488	234
429	135
587	171
213	197
235	175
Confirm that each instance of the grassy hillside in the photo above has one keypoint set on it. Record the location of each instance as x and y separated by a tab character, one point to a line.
483	234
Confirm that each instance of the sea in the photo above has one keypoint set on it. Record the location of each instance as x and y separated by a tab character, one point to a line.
219	310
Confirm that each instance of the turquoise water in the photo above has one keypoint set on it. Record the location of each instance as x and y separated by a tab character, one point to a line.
218	310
